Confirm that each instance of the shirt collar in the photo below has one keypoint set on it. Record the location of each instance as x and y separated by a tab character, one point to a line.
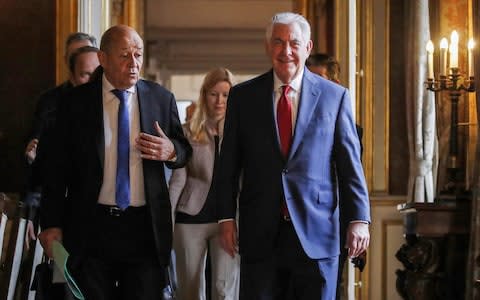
108	87
295	84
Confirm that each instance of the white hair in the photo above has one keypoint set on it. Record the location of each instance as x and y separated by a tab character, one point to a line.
289	18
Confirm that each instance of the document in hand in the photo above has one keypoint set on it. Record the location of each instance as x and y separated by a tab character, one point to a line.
60	256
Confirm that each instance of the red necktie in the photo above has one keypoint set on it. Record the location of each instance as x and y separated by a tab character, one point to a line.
284	120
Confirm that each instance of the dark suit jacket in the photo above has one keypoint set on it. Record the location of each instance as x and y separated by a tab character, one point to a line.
46	107
324	138
76	164
43	121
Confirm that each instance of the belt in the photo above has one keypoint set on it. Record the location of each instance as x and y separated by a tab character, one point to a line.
115	211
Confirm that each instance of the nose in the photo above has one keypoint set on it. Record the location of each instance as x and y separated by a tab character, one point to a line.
286	49
131	60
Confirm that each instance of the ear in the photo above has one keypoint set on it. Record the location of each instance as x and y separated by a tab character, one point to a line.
72	78
102	58
309	46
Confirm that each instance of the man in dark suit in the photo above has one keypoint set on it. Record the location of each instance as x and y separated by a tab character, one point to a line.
290	133
106	196
43	121
47	102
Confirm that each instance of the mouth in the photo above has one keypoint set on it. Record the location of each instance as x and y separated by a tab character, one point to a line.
285	60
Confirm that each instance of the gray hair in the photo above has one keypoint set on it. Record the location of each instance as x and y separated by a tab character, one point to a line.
80	36
289	18
76	37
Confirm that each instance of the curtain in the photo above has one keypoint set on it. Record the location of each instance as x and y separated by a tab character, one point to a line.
420	106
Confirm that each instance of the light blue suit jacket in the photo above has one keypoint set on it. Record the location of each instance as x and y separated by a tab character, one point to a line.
321	175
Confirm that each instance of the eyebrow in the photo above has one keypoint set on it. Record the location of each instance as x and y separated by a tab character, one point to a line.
128	48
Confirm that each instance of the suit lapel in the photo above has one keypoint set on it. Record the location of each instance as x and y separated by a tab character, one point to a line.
142	100
146	108
308	101
271	111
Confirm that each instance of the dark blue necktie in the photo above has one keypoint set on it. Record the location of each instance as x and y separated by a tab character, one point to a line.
122	183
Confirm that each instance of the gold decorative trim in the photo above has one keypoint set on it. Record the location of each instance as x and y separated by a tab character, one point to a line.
341	51
364	109
472	135
66	23
370	106
379	106
316	15
387	96
364	82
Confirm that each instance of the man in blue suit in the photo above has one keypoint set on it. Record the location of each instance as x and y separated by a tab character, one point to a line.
292	136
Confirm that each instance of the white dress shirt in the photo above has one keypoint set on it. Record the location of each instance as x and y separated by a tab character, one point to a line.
110	125
293	95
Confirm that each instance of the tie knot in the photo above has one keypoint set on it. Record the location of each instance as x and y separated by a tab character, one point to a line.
122	95
285	89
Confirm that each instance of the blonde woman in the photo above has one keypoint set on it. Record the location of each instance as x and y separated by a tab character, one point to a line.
196	228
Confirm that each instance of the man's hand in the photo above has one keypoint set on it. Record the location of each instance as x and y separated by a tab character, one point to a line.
358	238
31	150
228	237
155	147
47	237
30	234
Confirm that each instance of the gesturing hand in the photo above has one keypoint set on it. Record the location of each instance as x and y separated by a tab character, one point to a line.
155	147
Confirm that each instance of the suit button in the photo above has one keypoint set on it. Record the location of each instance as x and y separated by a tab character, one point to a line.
285	171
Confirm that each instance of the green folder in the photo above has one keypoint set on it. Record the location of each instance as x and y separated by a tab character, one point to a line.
60	256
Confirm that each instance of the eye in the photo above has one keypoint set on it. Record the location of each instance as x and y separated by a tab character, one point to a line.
137	55
296	43
277	42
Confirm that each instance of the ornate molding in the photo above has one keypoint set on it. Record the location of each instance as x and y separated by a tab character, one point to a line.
434	256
